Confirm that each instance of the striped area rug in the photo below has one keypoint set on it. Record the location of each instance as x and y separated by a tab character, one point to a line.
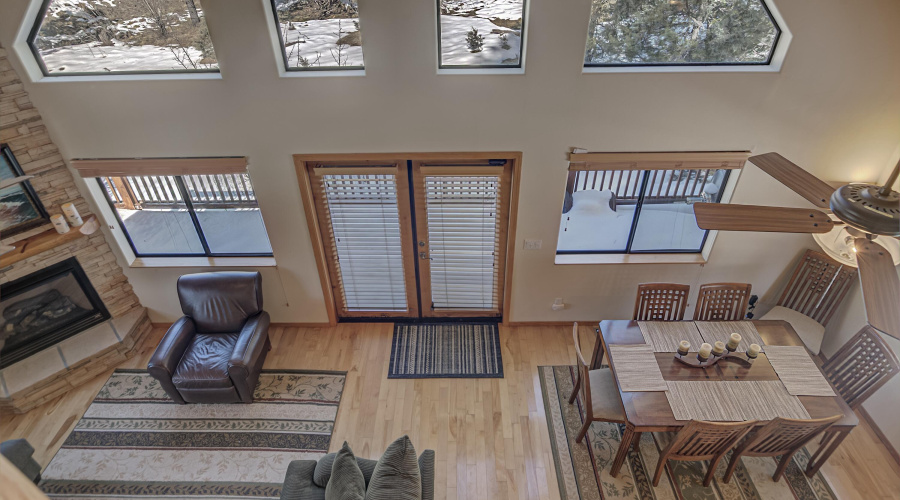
453	350
134	442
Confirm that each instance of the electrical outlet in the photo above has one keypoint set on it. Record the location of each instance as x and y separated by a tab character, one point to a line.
533	244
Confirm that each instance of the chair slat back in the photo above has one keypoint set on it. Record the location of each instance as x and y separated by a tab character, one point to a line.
784	435
661	301
583	368
700	440
817	286
861	366
722	302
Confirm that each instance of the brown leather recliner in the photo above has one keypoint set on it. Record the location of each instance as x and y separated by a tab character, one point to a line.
215	352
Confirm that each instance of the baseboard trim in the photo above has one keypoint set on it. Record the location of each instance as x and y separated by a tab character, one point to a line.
877	430
593	322
301	325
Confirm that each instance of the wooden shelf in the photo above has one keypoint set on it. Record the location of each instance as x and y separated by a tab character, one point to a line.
47	240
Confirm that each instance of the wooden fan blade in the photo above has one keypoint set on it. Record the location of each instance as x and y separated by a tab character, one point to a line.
880	286
798	180
764	219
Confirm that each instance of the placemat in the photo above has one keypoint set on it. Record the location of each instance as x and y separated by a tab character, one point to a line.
636	368
664	336
733	400
797	371
711	331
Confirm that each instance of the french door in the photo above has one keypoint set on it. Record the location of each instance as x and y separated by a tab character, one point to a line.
404	238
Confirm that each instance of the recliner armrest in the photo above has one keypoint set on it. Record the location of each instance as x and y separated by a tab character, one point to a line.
250	345
168	354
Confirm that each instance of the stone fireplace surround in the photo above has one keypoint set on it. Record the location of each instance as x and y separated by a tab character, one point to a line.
53	371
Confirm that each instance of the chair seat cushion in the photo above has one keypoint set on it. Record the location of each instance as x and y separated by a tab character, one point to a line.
205	362
810	331
605	400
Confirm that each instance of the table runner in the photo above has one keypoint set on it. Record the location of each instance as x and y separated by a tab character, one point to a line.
636	368
711	331
733	400
664	336
798	371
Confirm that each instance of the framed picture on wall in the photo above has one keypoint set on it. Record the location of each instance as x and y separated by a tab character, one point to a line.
20	207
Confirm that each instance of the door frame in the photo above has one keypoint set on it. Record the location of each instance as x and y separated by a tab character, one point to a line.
302	161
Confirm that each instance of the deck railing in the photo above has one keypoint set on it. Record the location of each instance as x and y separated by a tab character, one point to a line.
664	186
163	191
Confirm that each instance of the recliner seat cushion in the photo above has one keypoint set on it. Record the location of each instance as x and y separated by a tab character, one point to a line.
205	362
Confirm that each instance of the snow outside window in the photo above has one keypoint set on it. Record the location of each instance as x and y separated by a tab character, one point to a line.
481	33
188	215
680	33
319	34
102	37
636	211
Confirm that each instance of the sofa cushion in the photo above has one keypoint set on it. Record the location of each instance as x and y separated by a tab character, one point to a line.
397	475
346	481
811	332
323	469
205	362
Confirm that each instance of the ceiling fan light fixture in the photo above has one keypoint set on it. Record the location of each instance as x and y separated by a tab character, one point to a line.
863	207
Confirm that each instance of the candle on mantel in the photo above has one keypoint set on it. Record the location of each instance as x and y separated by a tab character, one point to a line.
684	347
718	348
59	223
705	349
72	214
733	341
753	351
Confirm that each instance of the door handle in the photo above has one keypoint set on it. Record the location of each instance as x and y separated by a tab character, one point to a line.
424	256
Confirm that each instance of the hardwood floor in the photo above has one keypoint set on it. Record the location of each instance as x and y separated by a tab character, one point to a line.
490	435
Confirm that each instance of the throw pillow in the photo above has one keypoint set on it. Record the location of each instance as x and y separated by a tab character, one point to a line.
397	475
346	481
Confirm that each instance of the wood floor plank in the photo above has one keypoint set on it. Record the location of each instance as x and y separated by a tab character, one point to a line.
490	435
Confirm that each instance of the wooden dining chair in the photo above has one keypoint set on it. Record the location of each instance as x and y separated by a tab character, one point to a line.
861	367
661	302
700	440
781	436
599	394
722	302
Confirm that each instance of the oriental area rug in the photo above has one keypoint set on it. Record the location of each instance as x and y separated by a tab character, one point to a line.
134	442
582	470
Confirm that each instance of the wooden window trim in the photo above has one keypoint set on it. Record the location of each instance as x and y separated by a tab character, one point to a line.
124	167
658	160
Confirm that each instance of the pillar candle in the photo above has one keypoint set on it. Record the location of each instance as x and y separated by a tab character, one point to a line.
72	214
718	348
705	349
684	347
59	222
753	351
733	341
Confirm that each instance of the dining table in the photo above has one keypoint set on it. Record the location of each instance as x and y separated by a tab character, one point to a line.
650	411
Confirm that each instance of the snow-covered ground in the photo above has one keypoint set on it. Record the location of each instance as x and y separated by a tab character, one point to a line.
172	231
316	41
93	57
595	227
454	28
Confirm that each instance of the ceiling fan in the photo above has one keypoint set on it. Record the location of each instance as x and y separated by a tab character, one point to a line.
864	211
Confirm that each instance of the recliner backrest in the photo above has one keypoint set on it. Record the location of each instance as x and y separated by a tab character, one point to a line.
220	302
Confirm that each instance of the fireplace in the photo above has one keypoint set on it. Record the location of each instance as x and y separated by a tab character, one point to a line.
45	308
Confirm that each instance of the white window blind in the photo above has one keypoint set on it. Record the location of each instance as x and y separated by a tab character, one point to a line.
463	238
364	222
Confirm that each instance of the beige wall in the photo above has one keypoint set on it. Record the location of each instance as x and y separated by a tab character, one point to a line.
834	108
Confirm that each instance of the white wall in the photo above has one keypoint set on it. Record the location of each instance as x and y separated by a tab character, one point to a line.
834	108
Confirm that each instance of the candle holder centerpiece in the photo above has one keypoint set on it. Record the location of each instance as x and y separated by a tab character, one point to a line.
709	355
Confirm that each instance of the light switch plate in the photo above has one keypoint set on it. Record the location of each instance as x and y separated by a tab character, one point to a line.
533	244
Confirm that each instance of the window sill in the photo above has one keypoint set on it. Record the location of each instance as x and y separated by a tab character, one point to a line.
640	258
131	77
321	73
203	262
482	71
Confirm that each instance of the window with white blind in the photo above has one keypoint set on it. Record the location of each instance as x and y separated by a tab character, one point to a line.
463	237
640	202
363	217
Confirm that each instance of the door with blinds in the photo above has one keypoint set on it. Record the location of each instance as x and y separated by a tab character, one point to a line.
413	238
